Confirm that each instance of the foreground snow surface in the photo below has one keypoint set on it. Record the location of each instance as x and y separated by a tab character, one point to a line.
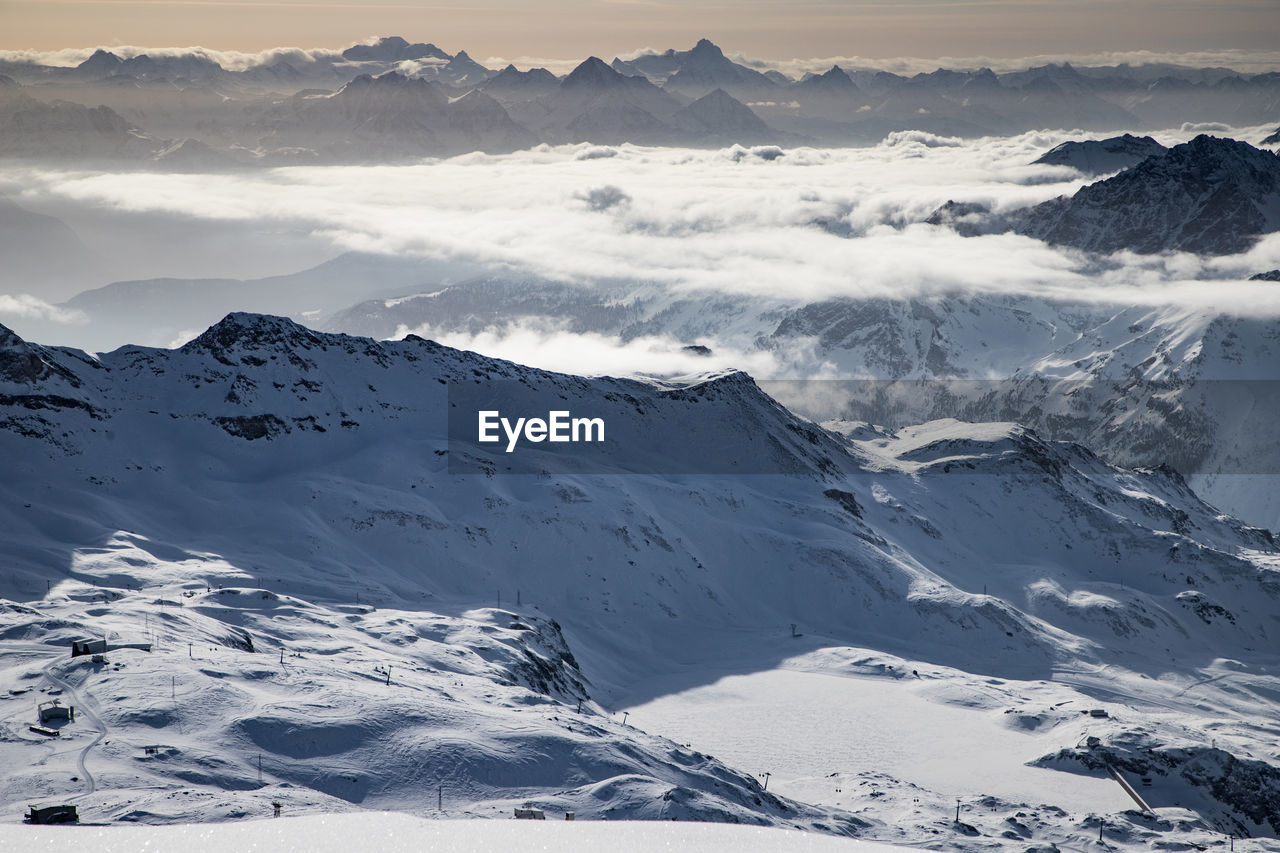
390	832
944	733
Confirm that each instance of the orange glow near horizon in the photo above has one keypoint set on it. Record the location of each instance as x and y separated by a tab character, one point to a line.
577	28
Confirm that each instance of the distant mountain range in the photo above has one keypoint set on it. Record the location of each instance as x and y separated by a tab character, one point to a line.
372	102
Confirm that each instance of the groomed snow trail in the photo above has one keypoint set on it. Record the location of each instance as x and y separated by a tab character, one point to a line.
90	785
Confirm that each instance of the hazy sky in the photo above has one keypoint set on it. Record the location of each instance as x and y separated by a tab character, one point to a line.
575	28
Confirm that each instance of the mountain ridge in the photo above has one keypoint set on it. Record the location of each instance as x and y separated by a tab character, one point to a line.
1210	196
344	537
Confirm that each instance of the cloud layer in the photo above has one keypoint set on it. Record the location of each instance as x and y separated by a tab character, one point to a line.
808	225
27	307
775	231
541	344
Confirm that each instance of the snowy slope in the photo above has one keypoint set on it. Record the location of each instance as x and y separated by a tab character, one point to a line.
1103	156
399	833
1138	385
282	500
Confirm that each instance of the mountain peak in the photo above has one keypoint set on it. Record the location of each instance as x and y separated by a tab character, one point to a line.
513	80
1206	154
23	363
392	49
707	48
1210	196
592	72
390	82
463	67
705	67
101	61
254	331
9	339
1098	156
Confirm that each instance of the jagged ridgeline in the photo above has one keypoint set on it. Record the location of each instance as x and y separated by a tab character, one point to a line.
280	509
393	100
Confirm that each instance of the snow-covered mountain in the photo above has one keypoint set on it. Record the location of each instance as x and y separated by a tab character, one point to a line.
1103	156
704	68
699	71
101	63
393	49
294	506
390	116
1141	386
1210	195
1079	372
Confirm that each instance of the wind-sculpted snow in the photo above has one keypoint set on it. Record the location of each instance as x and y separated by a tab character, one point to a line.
376	625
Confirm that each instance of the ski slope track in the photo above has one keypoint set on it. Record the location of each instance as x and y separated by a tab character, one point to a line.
340	621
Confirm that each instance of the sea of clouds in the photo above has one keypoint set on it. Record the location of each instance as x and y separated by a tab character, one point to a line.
795	224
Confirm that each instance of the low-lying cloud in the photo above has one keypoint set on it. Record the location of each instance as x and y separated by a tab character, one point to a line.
539	343
773	232
1246	61
231	60
24	306
807	225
